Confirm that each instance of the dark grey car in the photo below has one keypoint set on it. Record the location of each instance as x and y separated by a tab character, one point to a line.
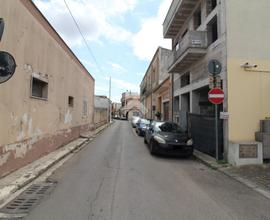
168	138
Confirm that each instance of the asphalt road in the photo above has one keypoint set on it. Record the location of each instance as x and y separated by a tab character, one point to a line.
115	178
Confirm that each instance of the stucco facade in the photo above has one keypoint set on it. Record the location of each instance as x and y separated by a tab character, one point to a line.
50	99
156	88
130	105
102	107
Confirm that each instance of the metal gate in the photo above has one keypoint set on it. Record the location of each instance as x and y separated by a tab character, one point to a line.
202	130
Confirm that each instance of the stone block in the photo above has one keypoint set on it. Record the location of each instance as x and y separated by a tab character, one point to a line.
245	153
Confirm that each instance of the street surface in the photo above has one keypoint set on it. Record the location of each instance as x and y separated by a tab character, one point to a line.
115	178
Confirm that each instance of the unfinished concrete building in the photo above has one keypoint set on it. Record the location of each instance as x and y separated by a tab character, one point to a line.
236	34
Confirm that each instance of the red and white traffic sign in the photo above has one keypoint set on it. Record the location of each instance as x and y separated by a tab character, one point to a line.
216	96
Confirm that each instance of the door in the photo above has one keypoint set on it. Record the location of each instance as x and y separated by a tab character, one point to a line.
166	111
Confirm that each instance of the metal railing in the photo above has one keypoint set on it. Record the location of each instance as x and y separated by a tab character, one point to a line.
192	39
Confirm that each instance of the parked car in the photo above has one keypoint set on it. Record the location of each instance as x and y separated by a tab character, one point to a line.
168	138
123	117
141	125
134	121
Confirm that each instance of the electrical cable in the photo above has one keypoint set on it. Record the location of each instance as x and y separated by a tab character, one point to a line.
84	39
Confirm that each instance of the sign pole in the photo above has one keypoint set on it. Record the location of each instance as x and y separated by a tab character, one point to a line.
215	95
216	130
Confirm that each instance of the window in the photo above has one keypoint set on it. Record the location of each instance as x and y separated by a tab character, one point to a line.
70	101
185	79
197	18
211	4
39	88
212	31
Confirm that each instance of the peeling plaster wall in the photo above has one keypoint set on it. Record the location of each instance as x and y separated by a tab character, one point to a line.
31	127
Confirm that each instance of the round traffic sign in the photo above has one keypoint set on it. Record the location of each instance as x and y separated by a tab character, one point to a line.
216	96
214	67
7	66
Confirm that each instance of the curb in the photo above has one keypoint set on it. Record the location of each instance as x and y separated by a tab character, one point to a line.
211	162
27	176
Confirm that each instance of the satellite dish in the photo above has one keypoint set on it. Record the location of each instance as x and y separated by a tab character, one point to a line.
7	66
2	25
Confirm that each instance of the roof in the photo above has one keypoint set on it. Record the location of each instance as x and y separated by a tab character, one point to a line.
32	8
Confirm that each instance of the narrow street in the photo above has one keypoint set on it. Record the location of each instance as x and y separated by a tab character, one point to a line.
115	177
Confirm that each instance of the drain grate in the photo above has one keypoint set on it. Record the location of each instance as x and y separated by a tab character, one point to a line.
28	199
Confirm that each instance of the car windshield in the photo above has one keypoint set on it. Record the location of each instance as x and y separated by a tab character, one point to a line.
144	122
168	127
136	119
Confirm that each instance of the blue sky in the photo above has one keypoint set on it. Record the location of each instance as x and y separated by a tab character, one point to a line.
123	36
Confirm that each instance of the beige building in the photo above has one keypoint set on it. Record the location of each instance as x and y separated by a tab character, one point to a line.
50	99
116	109
130	105
102	113
236	33
156	88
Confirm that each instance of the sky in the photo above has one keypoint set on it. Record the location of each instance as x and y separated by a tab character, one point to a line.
122	37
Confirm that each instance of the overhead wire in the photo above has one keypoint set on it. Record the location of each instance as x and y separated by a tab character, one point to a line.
84	40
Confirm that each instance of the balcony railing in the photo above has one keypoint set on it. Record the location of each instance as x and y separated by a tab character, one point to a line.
192	47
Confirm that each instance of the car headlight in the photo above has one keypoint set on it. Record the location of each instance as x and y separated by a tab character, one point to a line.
190	142
159	139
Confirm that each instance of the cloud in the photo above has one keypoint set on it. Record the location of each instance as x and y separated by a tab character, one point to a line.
124	85
116	99
150	36
140	74
117	67
92	16
101	89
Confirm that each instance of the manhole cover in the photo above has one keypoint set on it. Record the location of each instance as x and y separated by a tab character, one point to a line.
26	201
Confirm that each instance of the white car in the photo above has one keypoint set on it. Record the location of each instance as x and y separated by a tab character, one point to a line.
134	121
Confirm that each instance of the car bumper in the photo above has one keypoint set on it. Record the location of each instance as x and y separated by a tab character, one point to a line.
141	132
175	149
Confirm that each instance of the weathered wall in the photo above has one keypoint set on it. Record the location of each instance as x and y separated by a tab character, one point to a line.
101	117
102	106
131	101
154	78
32	127
248	31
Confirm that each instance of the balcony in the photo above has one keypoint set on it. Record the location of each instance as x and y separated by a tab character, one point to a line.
192	48
177	15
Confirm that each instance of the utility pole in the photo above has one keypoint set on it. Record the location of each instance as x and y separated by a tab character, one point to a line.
110	103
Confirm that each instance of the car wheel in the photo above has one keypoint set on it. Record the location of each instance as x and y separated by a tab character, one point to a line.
152	148
144	140
189	154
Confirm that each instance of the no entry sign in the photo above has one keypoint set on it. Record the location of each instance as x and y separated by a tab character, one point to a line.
216	96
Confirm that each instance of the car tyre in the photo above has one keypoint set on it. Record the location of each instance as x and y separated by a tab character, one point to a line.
189	154
152	148
144	140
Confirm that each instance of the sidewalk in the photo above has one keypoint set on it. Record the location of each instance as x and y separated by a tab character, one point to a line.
20	178
256	177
